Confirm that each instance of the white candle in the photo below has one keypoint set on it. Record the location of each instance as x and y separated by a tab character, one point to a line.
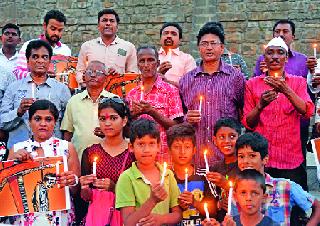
186	180
200	104
57	171
230	197
205	207
229	54
141	94
169	55
163	173
315	50
94	166
206	160
276	75
33	90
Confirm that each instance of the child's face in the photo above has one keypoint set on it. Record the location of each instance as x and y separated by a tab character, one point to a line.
145	149
249	195
249	159
182	151
225	140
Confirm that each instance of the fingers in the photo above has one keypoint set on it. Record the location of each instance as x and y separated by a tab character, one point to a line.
158	192
164	67
87	180
193	116
22	155
111	71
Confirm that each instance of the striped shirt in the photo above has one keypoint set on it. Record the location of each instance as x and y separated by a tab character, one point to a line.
279	122
21	69
222	94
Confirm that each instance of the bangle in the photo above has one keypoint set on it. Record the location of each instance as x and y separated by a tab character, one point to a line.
76	178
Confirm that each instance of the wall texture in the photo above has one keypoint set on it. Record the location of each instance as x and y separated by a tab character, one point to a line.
248	23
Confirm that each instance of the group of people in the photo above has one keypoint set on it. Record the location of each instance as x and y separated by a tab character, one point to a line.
173	151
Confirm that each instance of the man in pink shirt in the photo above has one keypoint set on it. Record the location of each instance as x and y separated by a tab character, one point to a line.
274	104
173	62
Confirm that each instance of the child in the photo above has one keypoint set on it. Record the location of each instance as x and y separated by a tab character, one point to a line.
139	195
226	133
182	147
281	194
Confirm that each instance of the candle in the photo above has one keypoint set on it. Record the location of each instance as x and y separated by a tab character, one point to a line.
141	94
315	50
200	104
163	172
230	197
33	90
94	166
95	115
57	171
229	54
206	160
169	55
205	207
186	180
276	75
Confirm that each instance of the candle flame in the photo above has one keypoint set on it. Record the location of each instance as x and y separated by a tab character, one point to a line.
142	88
230	184
201	97
186	170
315	45
276	75
205	205
95	159
205	152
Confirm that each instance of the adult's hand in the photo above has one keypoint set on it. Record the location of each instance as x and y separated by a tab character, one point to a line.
315	79
67	178
164	67
98	132
311	63
86	180
279	85
104	184
267	97
24	106
193	116
21	155
263	66
217	178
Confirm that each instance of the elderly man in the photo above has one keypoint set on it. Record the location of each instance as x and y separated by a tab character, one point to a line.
173	62
221	87
19	96
118	55
81	116
157	100
274	104
53	27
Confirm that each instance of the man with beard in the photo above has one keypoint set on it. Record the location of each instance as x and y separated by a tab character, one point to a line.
53	27
173	62
118	55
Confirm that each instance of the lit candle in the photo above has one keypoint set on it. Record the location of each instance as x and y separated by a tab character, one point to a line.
200	104
169	55
94	166
33	90
141	94
230	197
205	207
276	75
206	160
315	50
57	171
229	54
186	180
163	172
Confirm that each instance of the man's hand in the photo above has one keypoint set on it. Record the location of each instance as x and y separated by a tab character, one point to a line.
150	220
217	178
211	222
22	155
158	193
311	63
85	181
112	71
104	184
263	66
142	107
315	80
185	199
277	84
98	132
193	116
266	98
164	67
24	106
228	221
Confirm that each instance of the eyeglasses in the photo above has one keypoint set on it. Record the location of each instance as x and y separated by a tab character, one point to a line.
96	72
206	44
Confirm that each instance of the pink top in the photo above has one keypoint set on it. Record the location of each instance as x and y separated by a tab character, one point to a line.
279	121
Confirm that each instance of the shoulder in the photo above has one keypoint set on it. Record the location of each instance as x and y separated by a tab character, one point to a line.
300	55
125	42
90	42
189	75
65	46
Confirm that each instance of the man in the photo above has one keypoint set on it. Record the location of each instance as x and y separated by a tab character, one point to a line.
53	27
173	62
157	100
274	104
19	95
81	116
118	55
234	59
220	85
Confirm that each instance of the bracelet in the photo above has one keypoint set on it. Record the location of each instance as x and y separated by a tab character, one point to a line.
76	181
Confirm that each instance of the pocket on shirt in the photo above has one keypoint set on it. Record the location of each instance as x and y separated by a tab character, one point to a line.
276	213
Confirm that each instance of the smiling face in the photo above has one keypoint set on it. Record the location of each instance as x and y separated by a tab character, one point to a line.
42	125
39	61
182	151
108	26
225	140
210	48
249	159
145	149
111	124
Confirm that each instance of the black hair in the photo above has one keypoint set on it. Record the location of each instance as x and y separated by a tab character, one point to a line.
55	14
255	141
143	127
108	11
172	24
122	109
209	29
12	26
149	47
251	174
43	105
285	21
37	44
227	122
182	130
215	23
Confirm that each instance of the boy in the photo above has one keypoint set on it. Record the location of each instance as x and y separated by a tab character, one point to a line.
182	147
282	194
139	195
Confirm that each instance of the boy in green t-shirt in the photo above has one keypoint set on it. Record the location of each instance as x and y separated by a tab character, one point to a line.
140	196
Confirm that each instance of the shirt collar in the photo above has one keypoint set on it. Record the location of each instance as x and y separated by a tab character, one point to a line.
222	68
137	173
48	81
43	37
156	84
174	51
115	41
11	58
226	52
85	94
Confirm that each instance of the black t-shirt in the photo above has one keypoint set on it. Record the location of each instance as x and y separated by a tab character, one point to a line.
266	221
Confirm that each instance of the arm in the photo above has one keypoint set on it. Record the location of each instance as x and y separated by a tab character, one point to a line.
131	64
73	166
82	63
21	69
67	123
86	192
315	217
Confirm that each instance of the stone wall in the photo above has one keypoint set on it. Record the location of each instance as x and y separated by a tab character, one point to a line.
248	23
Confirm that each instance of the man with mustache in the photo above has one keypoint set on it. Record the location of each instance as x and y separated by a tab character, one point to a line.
173	62
274	104
118	55
53	27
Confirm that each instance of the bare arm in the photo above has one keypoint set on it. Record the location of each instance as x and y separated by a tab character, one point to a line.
315	217
67	135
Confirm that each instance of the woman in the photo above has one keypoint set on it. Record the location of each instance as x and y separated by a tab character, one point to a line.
43	116
112	158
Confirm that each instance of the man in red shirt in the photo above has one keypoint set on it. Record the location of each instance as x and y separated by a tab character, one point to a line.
274	104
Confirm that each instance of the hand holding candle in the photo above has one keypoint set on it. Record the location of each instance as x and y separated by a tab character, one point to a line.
205	207
163	173
186	180
230	197
94	166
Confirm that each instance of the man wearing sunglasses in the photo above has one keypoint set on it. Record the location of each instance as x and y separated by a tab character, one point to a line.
80	123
